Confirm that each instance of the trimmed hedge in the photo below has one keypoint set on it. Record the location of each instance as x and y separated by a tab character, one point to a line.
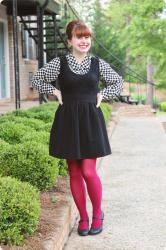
30	162
12	132
37	136
46	127
51	106
19	210
63	167
44	115
3	145
19	112
44	112
33	123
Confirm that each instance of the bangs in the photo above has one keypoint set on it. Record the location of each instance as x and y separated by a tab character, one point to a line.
81	30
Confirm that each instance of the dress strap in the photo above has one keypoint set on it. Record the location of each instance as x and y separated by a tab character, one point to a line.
62	62
95	60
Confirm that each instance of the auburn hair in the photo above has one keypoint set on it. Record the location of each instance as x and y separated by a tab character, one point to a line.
77	28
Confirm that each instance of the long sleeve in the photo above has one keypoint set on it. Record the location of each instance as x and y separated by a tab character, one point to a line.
48	73
114	82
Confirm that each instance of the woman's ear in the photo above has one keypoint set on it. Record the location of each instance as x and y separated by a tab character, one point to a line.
69	43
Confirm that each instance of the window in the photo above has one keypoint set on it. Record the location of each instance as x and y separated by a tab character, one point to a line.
29	50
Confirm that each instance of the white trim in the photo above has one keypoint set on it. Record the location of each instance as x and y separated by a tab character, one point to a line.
6	47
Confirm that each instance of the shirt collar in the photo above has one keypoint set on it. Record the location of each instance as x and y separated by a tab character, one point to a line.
85	61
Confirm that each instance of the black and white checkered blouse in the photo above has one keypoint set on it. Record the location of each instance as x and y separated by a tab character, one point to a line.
42	79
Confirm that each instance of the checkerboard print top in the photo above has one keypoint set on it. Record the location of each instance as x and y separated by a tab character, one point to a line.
42	79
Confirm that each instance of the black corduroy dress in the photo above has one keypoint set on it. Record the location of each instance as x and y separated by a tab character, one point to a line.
79	129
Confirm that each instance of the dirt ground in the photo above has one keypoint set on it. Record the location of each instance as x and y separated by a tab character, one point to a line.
51	202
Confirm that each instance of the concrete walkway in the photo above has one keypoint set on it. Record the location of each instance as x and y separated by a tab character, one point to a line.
10	106
134	190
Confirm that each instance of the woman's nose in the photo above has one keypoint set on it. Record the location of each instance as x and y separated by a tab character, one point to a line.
83	39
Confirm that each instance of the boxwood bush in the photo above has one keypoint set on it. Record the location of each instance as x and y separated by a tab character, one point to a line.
63	167
30	161
46	127
19	112
37	136
44	115
12	132
19	210
3	145
33	123
52	106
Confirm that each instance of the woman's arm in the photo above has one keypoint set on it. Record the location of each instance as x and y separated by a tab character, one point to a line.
114	82
48	73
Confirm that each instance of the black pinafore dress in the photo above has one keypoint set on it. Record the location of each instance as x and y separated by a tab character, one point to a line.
79	129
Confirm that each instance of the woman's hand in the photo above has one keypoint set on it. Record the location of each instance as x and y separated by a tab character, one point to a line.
58	94
99	99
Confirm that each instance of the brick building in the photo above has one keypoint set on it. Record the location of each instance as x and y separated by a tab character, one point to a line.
27	51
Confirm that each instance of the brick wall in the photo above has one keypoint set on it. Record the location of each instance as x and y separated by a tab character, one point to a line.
25	66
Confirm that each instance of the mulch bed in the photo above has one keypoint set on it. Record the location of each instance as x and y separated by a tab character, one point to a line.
51	201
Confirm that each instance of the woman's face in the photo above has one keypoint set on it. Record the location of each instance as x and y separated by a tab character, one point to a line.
82	44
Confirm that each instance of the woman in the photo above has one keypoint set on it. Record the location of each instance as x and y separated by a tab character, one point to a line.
78	132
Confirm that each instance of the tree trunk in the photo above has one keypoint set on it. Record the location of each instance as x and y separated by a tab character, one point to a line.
150	87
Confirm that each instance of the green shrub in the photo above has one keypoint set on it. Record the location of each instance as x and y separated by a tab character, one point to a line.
46	127
30	122
37	136
3	145
163	106
44	112
51	106
142	98
19	112
106	109
132	88
156	102
30	162
6	118
63	168
46	116
12	132
19	210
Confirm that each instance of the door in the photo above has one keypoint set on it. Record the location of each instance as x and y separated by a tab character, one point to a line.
2	63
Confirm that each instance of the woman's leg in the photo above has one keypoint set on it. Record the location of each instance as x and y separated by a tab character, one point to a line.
94	187
78	189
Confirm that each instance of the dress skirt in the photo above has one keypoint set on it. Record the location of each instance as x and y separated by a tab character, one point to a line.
79	129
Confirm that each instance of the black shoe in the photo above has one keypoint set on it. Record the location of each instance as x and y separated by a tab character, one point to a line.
94	231
83	232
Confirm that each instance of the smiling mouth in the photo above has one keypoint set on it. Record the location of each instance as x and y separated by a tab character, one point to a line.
83	46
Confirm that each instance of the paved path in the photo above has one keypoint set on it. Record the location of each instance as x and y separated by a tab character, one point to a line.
10	106
134	190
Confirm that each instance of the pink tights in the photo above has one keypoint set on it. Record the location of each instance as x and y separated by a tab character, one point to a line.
83	171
